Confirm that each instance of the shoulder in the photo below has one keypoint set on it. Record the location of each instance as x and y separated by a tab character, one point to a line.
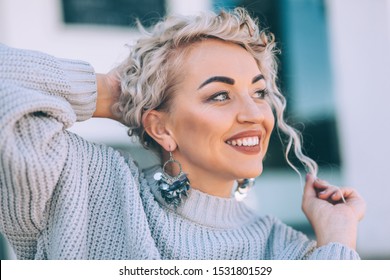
279	230
270	221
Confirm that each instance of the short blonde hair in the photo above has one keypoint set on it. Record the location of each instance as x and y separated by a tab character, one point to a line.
150	73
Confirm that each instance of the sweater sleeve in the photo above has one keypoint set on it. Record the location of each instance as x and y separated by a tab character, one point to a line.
334	251
40	96
286	243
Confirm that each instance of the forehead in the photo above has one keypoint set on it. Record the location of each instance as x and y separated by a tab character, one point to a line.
216	57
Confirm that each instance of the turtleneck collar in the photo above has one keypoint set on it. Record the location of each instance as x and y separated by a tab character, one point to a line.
202	208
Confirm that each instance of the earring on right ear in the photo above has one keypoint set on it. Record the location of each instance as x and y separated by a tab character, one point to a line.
243	187
172	188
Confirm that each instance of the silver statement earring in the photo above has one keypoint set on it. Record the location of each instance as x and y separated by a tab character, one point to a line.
243	186
172	188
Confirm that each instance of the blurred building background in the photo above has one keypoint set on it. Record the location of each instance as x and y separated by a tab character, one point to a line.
334	73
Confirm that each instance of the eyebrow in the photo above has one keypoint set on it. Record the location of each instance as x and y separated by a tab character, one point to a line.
221	79
227	80
257	78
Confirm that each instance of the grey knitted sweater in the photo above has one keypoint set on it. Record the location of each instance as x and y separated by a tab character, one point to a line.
63	197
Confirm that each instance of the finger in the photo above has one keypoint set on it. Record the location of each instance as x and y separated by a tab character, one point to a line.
330	193
338	196
320	184
325	192
309	190
348	194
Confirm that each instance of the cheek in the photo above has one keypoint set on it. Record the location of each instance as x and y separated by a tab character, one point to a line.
204	126
270	120
268	123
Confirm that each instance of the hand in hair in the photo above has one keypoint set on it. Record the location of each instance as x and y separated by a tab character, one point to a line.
108	92
333	212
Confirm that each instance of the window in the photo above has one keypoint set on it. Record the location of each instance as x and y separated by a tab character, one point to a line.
113	12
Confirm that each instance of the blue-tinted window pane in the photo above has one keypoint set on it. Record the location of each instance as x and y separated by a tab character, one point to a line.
307	58
225	4
113	12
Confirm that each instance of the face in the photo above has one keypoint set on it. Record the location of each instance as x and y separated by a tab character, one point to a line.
219	117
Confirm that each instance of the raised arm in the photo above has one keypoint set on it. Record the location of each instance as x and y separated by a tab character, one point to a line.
40	96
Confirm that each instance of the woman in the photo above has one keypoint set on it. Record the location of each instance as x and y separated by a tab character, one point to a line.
200	91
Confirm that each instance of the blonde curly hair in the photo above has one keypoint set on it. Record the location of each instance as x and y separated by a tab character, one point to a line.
151	72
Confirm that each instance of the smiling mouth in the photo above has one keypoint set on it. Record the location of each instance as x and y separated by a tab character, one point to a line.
246	145
246	141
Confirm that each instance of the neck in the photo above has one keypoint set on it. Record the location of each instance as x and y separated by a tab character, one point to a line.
211	185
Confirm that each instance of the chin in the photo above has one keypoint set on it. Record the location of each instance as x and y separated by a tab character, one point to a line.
250	172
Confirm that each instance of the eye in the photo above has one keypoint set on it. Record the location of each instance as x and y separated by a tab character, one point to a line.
220	96
261	94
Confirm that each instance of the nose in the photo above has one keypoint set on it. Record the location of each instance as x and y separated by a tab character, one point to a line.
250	111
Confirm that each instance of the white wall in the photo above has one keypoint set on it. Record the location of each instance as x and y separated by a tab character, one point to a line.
359	36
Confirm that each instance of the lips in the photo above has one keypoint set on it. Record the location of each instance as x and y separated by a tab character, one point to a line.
247	142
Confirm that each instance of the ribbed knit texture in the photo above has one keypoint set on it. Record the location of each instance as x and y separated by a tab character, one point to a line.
63	197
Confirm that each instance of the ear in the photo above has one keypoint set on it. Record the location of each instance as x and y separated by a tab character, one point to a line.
154	123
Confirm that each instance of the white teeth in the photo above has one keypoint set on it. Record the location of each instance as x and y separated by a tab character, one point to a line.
248	141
